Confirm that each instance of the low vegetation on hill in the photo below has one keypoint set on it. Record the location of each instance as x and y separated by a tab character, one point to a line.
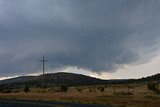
50	80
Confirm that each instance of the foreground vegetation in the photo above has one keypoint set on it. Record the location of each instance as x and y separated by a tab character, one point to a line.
143	92
123	95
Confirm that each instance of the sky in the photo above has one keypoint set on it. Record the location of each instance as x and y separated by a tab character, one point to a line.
108	39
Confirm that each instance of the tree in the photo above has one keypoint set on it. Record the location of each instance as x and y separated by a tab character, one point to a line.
64	88
153	86
26	89
102	89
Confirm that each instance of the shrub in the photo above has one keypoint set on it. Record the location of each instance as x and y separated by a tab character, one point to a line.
1	89
123	93
152	97
153	86
106	86
26	89
98	88
90	90
7	91
79	89
102	89
64	88
15	90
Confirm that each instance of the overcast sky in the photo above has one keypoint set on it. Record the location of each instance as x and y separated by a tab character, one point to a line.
111	38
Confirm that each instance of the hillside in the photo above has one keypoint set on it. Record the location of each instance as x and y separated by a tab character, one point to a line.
69	79
52	79
155	77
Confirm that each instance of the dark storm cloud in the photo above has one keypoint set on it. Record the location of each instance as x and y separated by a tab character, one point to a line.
100	36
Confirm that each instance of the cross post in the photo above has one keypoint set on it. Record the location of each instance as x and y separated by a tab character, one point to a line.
43	62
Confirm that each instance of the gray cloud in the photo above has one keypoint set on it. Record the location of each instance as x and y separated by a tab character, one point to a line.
100	36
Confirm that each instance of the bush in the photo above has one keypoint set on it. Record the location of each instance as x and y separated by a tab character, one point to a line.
26	89
123	93
1	89
15	90
98	88
153	86
90	90
106	86
102	89
64	88
7	91
79	89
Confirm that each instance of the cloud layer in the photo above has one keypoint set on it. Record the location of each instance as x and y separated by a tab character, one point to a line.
100	36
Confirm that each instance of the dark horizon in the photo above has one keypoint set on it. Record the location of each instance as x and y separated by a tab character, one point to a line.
74	73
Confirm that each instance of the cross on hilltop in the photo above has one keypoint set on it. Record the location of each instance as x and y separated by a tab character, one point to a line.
43	62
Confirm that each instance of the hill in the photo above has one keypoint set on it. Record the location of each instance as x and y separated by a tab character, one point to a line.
155	77
69	79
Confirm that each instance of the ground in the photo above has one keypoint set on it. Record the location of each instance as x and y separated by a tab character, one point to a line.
132	95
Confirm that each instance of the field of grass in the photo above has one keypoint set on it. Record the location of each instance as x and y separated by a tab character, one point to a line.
132	95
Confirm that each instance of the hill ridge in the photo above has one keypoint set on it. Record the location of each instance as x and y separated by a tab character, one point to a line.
51	79
69	79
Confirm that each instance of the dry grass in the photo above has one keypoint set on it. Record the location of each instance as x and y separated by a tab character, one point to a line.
134	95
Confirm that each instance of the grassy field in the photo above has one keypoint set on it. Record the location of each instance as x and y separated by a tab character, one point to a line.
133	95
